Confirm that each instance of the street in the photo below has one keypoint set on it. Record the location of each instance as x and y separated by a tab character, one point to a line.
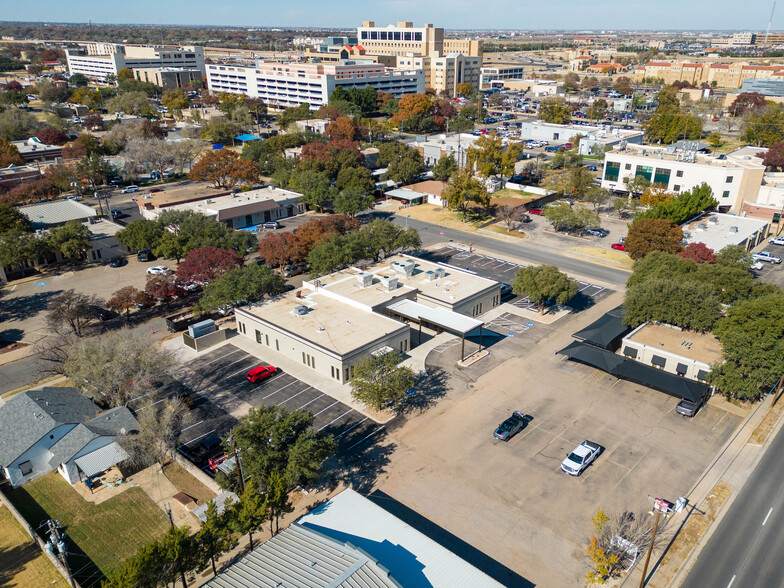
744	550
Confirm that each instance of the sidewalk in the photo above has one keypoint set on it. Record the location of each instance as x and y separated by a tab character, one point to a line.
732	466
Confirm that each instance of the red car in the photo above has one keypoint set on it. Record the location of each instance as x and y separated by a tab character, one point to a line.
214	462
536	210
618	247
261	373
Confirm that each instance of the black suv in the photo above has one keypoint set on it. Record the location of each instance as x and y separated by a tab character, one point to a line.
145	255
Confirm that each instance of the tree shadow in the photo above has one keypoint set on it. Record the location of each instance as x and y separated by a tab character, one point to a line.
428	388
14	560
359	469
25	307
581	302
8	336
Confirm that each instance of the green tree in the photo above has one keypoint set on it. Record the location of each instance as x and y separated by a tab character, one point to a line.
314	186
12	219
763	127
544	285
444	168
18	246
244	284
464	188
555	110
378	381
565	217
670	122
653	234
490	158
249	514
598	109
214	538
171	246
16	124
94	169
355	177
71	239
329	254
78	80
295	113
141	570
406	166
352	201
278	502
141	234
384	237
683	206
681	302
465	90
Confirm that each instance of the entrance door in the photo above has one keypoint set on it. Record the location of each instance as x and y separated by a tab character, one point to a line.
248	220
267	217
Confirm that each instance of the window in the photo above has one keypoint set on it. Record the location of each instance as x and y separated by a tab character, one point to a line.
679	173
382	35
364	34
373	35
645	171
676	188
26	467
258	336
406	36
277	345
555	136
611	171
417	36
628	166
729	180
266	340
397	36
725	194
661	177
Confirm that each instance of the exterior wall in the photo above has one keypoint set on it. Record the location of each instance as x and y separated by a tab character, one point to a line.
724	75
167	79
401	39
38	455
286	209
473	306
489	74
645	355
99	66
326	363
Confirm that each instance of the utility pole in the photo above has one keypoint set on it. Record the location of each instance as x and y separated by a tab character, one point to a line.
237	465
57	541
171	521
659	504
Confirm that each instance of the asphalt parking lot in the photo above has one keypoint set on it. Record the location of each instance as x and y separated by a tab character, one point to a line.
221	393
771	272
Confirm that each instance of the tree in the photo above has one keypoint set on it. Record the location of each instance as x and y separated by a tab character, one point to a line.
681	302
171	246
596	196
715	140
206	264
746	101
295	113
490	158
52	136
406	166
160	426
379	382
125	299
241	285
653	234
655	195
354	177
508	214
162	288
464	188
352	201
272	439
465	90
12	219
279	249
73	310
565	217
9	154
598	109
636	185
135	103
118	367
382	237
544	285
342	128
94	169
698	253
78	80
278	502
225	169
314	187
763	127
250	512
444	168
175	99
773	158
219	130
683	206
214	538
670	122
555	110
140	234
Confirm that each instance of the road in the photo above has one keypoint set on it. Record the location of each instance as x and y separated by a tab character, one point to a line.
524	251
744	551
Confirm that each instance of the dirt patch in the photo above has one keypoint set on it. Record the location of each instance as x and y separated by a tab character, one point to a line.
185	482
607	256
766	426
504	231
445	217
6	346
692	532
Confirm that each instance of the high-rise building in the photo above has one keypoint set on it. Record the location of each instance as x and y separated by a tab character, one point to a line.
97	60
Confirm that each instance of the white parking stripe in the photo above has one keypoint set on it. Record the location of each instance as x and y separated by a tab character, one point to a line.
221	357
279	389
333	420
364	438
193	425
311	402
196	438
355	426
297	394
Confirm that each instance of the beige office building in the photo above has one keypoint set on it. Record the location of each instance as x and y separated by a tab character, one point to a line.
167	77
444	73
725	75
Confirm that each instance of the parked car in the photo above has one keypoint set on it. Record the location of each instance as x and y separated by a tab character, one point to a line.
145	255
272	225
689	408
580	458
776	241
510	426
765	256
618	247
261	373
506	289
158	270
535	210
596	232
293	270
591	168
117	214
214	462
129	189
154	190
117	262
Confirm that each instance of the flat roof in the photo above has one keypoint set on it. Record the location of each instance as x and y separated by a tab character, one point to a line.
327	323
715	229
404	194
213	204
57	212
703	347
442	317
189	192
650	154
412	558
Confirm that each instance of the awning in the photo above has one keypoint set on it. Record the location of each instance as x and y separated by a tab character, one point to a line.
101	459
605	329
440	317
247	137
630	352
658	360
702	375
681	369
404	194
630	369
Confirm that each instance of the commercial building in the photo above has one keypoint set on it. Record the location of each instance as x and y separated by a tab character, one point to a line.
349	541
282	85
168	77
34	150
97	60
734	178
717	231
603	135
427	192
535	87
434	147
443	73
54	213
773	86
238	210
671	349
13	175
498	73
725	75
335	321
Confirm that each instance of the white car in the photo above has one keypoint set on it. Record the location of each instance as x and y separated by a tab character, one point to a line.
765	256
757	265
776	241
158	270
580	458
129	189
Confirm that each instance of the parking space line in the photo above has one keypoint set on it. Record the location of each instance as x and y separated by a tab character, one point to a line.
236	349
196	438
311	402
355	426
279	389
330	406
297	394
190	427
364	438
333	420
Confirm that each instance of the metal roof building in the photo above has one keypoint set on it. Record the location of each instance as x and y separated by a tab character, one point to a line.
57	212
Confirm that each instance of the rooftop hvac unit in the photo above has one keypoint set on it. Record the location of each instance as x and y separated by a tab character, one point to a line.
389	282
209	201
301	310
430	275
702	226
365	279
403	268
686	235
714	220
440	272
733	229
202	328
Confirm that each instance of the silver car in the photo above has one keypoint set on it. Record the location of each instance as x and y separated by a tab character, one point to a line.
510	426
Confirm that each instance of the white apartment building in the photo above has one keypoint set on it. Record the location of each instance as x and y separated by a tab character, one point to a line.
102	59
435	147
283	85
734	178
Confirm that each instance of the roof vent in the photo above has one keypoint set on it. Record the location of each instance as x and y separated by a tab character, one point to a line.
733	229
439	272
714	220
301	310
209	201
430	275
702	226
403	268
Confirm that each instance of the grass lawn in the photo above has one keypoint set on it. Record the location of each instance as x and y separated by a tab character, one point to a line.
508	193
502	230
185	482
22	563
445	217
618	258
105	533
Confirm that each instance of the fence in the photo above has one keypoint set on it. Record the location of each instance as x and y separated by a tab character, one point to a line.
205	341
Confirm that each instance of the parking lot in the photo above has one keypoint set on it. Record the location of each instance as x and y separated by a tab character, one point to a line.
771	272
511	499
221	394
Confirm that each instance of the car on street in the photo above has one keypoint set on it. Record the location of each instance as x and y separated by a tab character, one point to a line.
117	214
145	255
618	247
261	373
596	232
776	241
129	189
581	457
158	270
510	426
117	262
689	408
765	256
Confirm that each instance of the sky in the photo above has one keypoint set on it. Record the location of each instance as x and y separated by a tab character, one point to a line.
452	14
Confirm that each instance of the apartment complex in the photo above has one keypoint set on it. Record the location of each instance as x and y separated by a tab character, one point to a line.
735	179
446	62
725	75
282	85
97	60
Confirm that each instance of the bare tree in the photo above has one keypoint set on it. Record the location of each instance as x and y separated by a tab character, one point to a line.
52	352
186	151
508	214
73	310
160	425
